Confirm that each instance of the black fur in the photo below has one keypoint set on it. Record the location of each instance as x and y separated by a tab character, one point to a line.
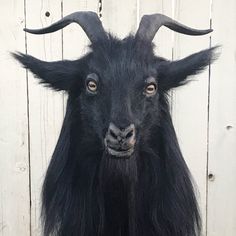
87	192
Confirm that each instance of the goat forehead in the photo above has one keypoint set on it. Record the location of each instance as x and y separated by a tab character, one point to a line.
122	50
121	66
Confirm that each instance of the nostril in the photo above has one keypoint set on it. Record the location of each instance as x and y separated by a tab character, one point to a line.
113	135
130	134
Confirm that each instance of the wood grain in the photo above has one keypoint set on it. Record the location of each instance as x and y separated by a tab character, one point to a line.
190	102
120	17
45	106
14	159
222	142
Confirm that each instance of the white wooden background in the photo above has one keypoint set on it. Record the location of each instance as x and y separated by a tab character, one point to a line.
204	111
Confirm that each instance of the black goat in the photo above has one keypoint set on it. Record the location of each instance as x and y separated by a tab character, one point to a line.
117	169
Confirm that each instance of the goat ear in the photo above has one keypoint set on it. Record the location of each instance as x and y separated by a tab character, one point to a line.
58	75
174	74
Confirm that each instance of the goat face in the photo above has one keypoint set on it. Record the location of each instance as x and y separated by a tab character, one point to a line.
119	97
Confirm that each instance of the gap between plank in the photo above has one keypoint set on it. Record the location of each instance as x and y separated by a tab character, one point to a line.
28	127
208	122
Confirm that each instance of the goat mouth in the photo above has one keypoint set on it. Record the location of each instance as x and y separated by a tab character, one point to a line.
120	153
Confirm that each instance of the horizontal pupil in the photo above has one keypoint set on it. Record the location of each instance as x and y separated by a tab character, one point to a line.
151	88
92	85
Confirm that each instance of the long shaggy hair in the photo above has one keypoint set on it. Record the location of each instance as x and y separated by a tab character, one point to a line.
87	190
92	194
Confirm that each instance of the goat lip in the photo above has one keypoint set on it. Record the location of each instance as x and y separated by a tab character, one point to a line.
116	153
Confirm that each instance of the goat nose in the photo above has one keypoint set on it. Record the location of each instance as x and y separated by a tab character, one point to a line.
124	134
120	142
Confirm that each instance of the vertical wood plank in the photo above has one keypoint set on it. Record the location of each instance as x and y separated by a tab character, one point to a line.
45	106
14	165
119	17
222	142
164	38
190	102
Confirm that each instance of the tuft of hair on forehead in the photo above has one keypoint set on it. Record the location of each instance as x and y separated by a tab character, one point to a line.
129	45
124	54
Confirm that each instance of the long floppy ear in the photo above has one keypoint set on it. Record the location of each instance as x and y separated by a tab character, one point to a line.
175	73
59	75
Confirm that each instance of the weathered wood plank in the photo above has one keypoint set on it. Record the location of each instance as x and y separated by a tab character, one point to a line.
222	142
45	106
190	103
14	161
120	17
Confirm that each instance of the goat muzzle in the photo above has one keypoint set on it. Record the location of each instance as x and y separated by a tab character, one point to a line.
120	142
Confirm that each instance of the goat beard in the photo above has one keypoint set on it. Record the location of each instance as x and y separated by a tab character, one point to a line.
99	195
118	182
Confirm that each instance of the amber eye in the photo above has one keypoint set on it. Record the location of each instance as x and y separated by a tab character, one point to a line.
92	83
150	89
92	86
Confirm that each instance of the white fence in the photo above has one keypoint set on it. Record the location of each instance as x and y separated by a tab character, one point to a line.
204	111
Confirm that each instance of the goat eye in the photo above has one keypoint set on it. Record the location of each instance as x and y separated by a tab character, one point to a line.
91	83
150	89
92	86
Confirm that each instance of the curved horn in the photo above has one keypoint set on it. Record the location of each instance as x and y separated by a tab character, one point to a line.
89	21
150	24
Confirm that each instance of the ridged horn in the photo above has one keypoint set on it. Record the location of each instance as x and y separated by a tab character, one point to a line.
89	22
150	24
